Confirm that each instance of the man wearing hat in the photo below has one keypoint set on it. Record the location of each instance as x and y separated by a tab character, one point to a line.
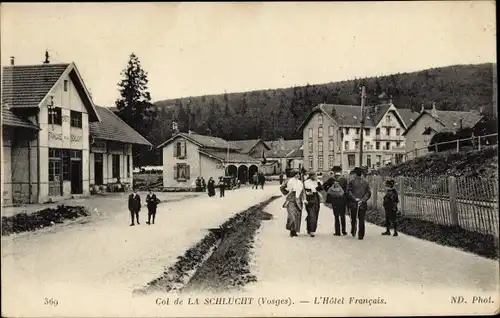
336	195
391	201
311	187
358	194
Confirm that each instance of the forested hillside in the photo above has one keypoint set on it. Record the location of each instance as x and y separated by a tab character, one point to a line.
278	112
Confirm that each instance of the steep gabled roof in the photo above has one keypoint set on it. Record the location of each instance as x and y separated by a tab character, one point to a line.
111	127
26	86
408	116
202	141
247	145
281	148
233	156
298	153
13	120
449	120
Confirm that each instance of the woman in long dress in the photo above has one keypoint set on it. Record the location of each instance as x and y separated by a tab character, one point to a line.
211	187
312	202
293	189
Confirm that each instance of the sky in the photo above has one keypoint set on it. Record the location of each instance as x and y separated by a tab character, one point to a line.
192	49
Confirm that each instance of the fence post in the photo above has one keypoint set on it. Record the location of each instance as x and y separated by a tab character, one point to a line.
479	143
401	194
458	145
452	188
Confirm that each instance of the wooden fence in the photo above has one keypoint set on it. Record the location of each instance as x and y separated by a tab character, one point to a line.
470	203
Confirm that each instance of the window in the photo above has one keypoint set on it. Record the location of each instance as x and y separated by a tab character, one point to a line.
388	145
66	160
128	166
65	85
330	145
320	120
346	145
388	119
54	169
356	145
180	149
320	146
379	160
398	144
310	143
357	131
377	145
116	166
369	160
367	131
182	172
347	131
320	132
367	145
76	119
55	116
377	131
388	131
330	131
330	161
398	131
351	160
320	162
310	162
310	133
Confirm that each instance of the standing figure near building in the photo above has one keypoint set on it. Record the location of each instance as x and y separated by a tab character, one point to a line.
293	188
198	184
262	180
255	181
151	202
358	193
391	201
336	195
312	202
281	178
203	184
211	187
222	186
134	206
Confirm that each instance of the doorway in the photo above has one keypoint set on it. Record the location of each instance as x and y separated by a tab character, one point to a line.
76	177
98	169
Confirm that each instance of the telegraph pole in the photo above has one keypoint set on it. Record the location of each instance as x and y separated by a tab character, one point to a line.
361	133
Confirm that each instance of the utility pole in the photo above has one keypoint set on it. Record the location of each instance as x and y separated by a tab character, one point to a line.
361	133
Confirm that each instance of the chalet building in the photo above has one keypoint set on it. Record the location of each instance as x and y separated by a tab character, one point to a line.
252	147
187	156
430	122
283	156
48	118
331	135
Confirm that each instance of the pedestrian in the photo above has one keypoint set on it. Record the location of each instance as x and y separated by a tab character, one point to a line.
358	193
255	181
281	178
134	206
152	202
211	187
203	185
262	180
312	202
198	184
293	189
222	186
336	195
391	201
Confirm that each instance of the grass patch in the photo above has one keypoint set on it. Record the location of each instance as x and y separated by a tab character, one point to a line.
23	222
481	244
220	261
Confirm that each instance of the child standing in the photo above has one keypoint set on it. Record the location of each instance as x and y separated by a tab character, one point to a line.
391	201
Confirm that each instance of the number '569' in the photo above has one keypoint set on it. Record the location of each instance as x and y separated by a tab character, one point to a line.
51	302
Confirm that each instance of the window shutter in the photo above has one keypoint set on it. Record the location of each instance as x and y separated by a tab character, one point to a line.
184	150
188	172
175	172
175	149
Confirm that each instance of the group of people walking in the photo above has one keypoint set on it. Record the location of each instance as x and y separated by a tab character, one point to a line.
342	195
134	206
258	179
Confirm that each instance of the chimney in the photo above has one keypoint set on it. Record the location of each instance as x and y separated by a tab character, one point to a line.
12	58
423	108
175	127
481	110
282	143
434	112
461	125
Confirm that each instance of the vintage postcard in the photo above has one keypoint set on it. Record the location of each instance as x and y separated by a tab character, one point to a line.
249	159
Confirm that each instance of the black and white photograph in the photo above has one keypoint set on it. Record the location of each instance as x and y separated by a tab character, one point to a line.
249	159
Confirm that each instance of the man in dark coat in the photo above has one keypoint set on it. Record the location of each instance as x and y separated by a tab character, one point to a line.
358	193
222	186
134	206
152	202
281	178
338	202
262	180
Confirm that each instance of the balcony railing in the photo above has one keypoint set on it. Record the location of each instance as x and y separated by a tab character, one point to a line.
388	138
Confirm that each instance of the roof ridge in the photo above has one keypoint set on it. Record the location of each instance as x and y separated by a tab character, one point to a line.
32	65
112	113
